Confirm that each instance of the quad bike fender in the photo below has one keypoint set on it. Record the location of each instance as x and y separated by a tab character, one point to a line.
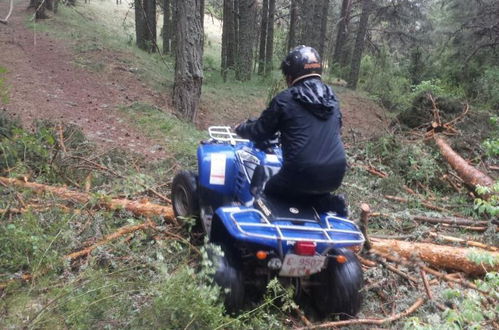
224	215
217	168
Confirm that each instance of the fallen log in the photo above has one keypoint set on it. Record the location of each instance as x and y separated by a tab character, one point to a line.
470	175
451	221
439	256
143	208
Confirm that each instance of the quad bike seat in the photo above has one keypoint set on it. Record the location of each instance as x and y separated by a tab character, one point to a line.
286	207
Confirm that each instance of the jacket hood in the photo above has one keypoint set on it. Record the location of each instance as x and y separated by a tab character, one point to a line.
316	97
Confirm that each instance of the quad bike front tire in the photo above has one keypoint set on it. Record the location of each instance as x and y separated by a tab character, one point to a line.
338	287
184	195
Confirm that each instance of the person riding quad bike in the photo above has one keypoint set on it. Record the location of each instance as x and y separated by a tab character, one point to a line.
307	116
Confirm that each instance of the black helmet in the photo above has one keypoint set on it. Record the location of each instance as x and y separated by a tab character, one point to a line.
302	62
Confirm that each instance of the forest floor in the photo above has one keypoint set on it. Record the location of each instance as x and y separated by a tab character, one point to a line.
47	84
119	97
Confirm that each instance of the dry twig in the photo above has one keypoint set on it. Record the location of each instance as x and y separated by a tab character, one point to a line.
390	319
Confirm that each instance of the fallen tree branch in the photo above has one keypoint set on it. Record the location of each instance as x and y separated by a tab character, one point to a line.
446	277
425	204
371	169
399	272
426	284
4	21
451	221
120	232
364	219
142	209
390	319
470	228
439	256
470	175
463	241
26	277
107	169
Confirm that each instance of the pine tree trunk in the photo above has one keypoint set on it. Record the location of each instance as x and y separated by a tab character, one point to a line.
40	6
247	16
167	27
140	25
49	4
263	37
150	10
145	24
359	44
307	12
269	50
188	59
342	34
228	38
470	175
323	30
292	24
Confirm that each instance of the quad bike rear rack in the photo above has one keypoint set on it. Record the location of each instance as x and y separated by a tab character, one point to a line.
263	228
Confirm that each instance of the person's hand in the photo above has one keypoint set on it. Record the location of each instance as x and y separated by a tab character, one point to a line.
242	128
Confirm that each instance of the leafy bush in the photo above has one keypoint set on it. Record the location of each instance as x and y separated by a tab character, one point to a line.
488	206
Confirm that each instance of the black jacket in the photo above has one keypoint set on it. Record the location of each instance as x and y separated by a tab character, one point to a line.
309	119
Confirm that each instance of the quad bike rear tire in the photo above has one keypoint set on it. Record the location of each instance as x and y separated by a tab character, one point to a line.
228	275
338	287
185	196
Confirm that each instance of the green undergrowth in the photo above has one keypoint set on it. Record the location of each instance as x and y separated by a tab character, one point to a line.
141	280
180	138
4	95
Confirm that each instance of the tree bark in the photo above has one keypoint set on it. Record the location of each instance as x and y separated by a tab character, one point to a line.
40	6
150	10
188	59
167	27
269	49
439	256
247	16
292	24
263	37
341	36
228	38
140	25
137	208
49	5
145	24
359	44
323	30
470	175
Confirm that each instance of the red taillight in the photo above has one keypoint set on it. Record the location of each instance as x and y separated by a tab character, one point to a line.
305	248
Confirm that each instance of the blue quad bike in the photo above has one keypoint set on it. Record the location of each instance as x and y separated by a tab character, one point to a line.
302	242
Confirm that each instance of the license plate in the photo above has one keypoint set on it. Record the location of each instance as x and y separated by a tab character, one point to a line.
297	266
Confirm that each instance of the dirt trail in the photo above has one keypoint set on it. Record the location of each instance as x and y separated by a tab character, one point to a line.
46	84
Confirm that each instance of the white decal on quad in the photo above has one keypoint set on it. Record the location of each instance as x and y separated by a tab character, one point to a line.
217	170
